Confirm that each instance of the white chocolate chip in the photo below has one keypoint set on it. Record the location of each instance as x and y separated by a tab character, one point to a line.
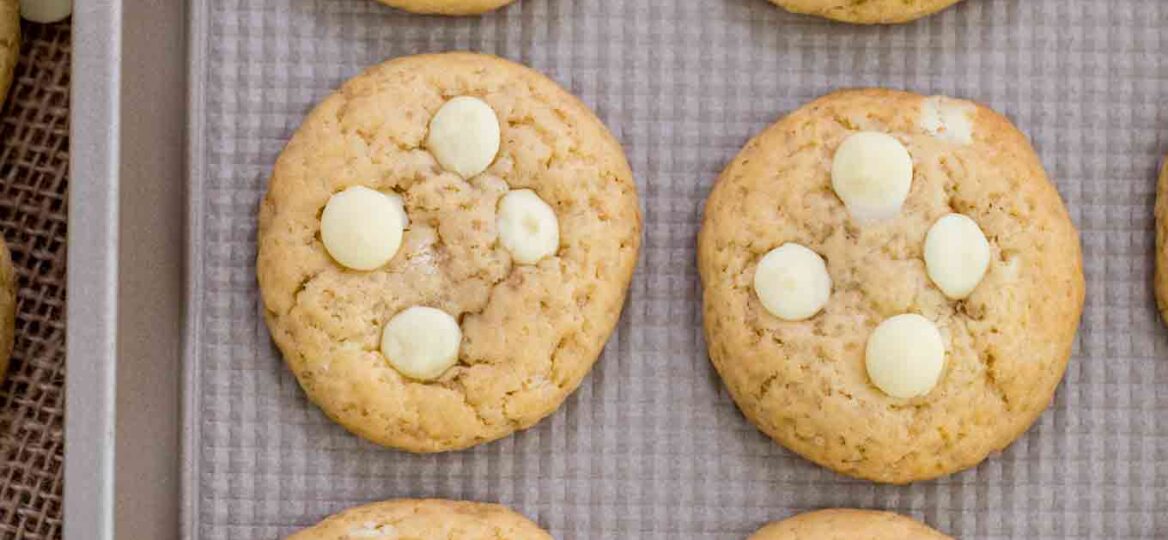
905	356
871	173
957	255
401	206
528	227
45	11
421	342
947	119
792	282
361	227
464	136
373	531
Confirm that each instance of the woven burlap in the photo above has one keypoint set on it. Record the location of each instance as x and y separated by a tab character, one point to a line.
34	179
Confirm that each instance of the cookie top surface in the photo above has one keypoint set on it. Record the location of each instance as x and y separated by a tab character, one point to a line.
425	518
847	524
1002	349
1161	280
530	331
8	285
447	7
868	12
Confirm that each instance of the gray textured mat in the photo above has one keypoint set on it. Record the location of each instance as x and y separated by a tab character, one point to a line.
650	446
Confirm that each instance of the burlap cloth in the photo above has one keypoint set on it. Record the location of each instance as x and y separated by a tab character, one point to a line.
34	180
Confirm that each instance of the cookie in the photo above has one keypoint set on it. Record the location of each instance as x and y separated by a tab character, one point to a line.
447	7
867	12
425	518
847	524
9	43
8	281
444	248
1161	280
929	312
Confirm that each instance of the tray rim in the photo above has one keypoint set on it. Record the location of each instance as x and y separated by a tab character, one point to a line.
196	43
124	311
91	334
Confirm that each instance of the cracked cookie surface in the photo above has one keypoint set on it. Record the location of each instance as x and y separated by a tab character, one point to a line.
804	383
847	524
425	518
447	7
530	333
867	11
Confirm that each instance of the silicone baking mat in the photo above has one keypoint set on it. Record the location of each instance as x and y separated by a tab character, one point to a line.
651	446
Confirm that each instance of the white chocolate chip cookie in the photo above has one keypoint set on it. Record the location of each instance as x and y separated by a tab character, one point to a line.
867	11
847	524
949	321
444	248
447	7
425	518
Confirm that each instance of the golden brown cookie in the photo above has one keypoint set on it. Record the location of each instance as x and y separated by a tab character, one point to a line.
1161	280
8	283
425	518
447	7
9	43
810	384
530	331
847	524
867	11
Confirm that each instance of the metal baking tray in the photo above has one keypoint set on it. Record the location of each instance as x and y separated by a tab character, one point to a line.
650	446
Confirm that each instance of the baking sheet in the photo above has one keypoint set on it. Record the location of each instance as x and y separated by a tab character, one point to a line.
651	446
